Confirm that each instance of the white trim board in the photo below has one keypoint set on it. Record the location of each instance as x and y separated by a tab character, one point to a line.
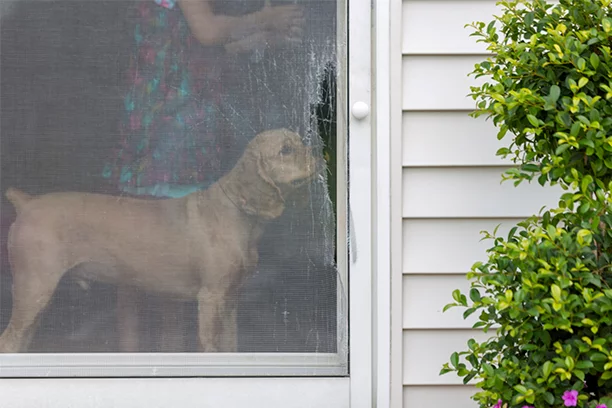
184	393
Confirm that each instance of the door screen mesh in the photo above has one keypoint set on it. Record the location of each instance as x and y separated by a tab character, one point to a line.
214	230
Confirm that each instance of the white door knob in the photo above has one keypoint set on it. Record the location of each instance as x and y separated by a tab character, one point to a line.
360	110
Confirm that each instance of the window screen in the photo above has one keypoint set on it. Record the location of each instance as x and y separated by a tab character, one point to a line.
169	177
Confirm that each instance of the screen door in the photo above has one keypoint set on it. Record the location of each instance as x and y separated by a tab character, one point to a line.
173	187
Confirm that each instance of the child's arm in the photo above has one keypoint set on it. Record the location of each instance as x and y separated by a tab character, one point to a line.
213	29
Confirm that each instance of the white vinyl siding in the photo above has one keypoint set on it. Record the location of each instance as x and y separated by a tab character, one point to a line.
468	192
450	188
426	350
436	137
421	256
438	396
437	26
438	82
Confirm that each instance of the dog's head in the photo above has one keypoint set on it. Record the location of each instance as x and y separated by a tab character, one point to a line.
275	164
284	159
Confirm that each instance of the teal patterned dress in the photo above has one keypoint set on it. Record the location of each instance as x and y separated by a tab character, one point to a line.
172	138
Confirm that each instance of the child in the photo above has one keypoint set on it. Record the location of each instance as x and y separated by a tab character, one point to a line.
173	138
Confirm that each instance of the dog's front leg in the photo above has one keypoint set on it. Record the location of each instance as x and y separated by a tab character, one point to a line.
229	328
128	319
210	308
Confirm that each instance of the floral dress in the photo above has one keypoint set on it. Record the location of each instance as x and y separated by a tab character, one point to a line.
171	134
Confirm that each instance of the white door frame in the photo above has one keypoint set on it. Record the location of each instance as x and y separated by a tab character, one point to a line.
357	390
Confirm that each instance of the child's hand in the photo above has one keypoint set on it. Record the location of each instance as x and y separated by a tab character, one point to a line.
257	41
276	27
262	40
271	26
282	20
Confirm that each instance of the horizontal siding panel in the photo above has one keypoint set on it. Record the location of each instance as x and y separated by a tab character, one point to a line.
470	192
439	82
424	297
437	27
435	138
425	351
439	396
447	246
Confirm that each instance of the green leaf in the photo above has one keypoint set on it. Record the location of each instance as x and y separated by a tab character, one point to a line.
503	151
533	120
584	237
606	23
468	378
594	60
468	312
564	119
521	389
555	92
575	129
474	295
586	181
549	398
569	363
530	167
583	81
598	357
444	371
561	148
556	292
547	368
584	207
454	359
584	364
448	306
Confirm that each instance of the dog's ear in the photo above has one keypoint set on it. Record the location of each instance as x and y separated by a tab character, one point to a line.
267	200
255	192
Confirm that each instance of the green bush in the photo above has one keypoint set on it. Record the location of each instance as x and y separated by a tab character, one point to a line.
544	293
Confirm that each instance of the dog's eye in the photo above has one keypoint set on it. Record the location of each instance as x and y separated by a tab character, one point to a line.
286	150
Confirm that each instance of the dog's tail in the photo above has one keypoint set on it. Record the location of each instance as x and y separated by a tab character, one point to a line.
18	198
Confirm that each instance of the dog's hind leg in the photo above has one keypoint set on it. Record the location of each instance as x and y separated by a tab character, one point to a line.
35	278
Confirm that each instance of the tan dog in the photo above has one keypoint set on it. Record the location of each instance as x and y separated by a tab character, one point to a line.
198	247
